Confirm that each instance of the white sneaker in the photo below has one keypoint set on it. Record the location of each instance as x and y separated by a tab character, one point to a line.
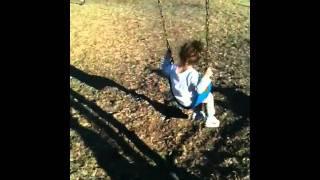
212	122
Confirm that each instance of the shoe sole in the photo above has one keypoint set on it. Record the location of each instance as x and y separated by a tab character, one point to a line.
213	125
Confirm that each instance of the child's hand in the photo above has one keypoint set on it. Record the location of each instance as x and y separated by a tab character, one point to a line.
208	72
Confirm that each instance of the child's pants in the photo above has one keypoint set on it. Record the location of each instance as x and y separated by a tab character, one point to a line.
209	101
207	98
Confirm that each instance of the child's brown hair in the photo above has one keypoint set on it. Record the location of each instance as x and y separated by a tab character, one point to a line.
190	52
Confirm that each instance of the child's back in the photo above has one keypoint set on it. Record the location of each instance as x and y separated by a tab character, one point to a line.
183	84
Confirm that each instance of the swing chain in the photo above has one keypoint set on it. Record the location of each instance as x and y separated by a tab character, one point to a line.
163	25
207	31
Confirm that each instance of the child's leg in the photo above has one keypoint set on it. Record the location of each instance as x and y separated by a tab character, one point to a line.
210	105
211	121
198	112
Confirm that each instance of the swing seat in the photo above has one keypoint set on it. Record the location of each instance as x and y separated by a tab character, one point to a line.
201	97
198	100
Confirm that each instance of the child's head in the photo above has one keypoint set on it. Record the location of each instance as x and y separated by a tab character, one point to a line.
190	52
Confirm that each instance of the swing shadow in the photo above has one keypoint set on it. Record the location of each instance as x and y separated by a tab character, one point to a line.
101	82
239	104
105	151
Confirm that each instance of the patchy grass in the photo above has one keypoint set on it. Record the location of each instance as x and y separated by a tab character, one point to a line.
117	107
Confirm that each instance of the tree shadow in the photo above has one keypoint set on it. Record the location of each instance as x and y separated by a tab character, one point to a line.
116	131
101	82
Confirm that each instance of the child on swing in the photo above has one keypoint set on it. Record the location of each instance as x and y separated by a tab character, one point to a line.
187	86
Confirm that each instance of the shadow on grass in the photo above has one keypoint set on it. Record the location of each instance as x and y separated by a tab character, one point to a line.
101	82
117	136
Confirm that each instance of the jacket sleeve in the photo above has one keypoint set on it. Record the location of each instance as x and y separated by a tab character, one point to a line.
166	66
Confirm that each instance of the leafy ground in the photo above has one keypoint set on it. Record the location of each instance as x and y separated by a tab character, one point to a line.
121	126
